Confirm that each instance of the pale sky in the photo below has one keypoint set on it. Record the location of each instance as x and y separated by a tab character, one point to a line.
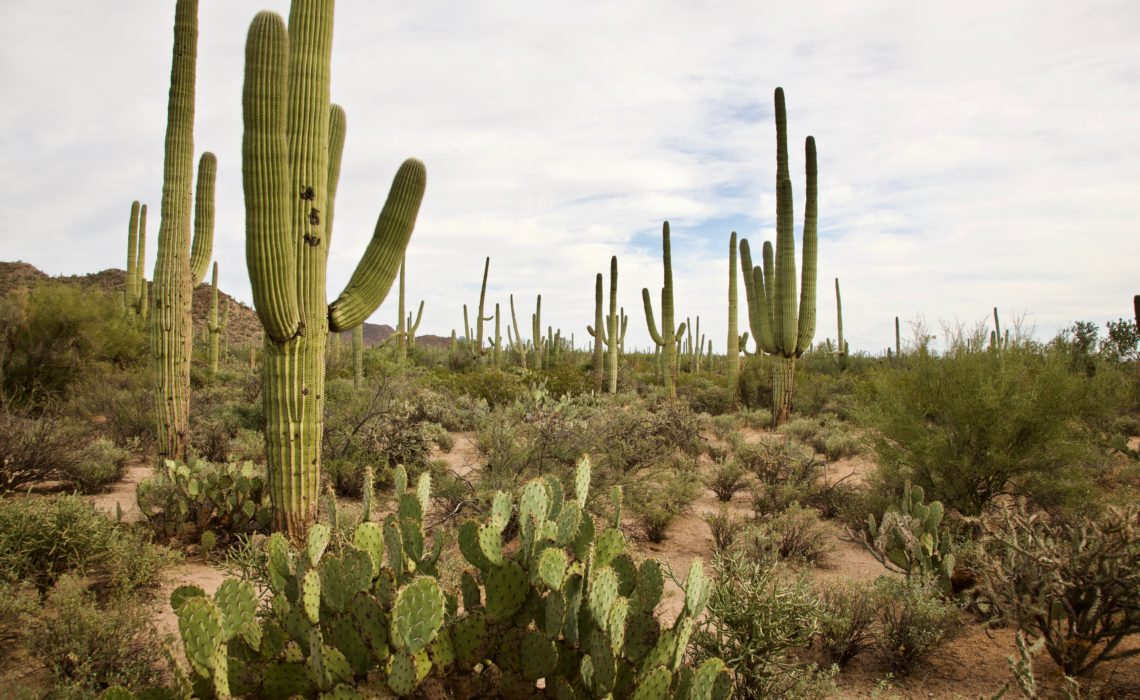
971	154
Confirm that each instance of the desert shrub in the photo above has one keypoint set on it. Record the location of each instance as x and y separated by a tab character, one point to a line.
756	418
51	335
848	610
89	648
34	449
725	426
247	446
704	394
374	426
183	501
824	433
781	462
44	538
345	476
818	393
657	498
678	426
724	527
972	425
1075	584
795	535
16	601
566	379
441	437
100	463
755	382
758	616
727	478
494	386
914	620
832	498
120	402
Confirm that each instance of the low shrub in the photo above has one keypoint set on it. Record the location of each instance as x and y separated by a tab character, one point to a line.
759	615
35	449
1074	584
89	648
726	479
183	501
724	528
100	463
914	620
795	535
756	418
43	538
658	498
848	611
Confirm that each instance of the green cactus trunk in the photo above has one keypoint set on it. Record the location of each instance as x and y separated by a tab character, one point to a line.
898	340
668	338
598	333
536	332
613	332
136	260
290	165
480	317
171	325
495	356
358	356
414	325
840	344
733	341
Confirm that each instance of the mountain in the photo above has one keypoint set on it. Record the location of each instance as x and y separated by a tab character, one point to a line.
244	328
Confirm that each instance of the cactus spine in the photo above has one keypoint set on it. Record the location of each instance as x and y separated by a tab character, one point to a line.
733	342
172	327
358	356
771	291
668	338
290	167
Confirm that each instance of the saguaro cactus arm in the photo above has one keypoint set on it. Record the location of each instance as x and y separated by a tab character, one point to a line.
202	249
377	269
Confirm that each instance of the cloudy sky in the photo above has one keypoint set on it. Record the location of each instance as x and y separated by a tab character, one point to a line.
970	154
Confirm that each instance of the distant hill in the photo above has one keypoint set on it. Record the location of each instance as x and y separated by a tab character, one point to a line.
244	328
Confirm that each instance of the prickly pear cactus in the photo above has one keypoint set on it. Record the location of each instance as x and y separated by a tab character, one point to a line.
909	539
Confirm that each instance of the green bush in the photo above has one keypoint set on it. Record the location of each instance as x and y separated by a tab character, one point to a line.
795	535
971	425
184	501
704	394
726	479
100	463
119	402
44	538
824	433
52	335
659	496
759	615
914	620
847	619
724	527
494	386
89	648
1075	584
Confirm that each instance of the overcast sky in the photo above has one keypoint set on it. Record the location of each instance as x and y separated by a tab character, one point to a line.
971	154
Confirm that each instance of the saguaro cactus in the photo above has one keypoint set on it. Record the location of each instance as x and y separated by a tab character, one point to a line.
214	327
614	332
401	328
496	356
536	332
599	335
840	343
772	312
669	336
517	341
290	168
733	342
479	318
172	327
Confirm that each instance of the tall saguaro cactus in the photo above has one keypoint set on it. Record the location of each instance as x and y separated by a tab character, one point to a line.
290	168
479	318
780	329
171	324
536	332
358	356
614	332
517	341
669	336
840	343
598	334
733	352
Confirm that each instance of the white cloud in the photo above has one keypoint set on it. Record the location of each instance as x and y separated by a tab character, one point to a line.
970	155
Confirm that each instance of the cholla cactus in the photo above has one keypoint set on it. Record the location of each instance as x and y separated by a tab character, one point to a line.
909	539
